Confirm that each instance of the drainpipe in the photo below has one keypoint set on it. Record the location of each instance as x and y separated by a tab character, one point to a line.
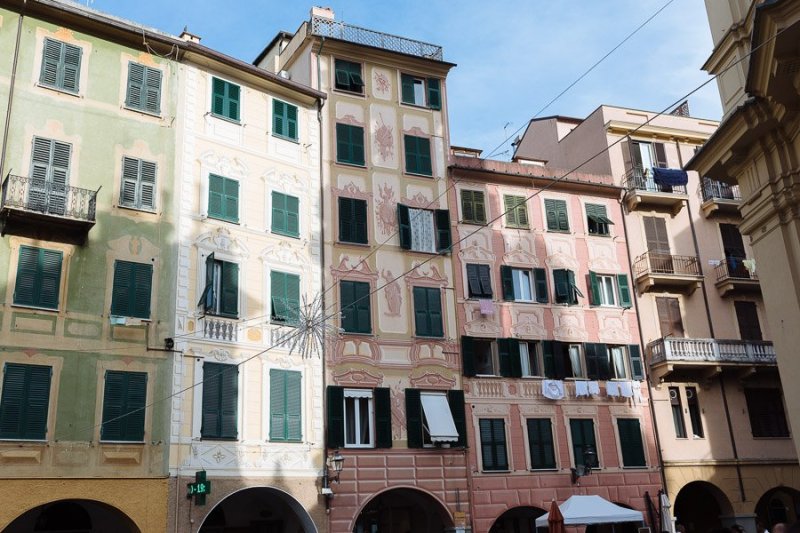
641	340
11	89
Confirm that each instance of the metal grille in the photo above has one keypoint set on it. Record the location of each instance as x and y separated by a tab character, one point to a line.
48	198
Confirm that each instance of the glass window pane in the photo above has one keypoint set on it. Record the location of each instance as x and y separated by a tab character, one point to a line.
525	359
618	362
363	420
350	420
419	92
575	360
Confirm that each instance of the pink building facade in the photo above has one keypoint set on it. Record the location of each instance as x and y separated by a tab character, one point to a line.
551	355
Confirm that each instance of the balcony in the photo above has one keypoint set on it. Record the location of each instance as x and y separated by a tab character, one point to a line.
41	209
734	278
688	357
674	273
215	328
329	28
643	191
719	198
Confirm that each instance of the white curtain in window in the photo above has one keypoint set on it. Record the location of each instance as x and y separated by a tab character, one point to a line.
575	360
423	234
618	360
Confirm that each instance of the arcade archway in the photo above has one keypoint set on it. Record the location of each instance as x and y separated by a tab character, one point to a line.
699	505
262	509
73	516
517	520
401	511
781	504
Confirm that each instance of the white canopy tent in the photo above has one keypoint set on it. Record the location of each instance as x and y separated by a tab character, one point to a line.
585	510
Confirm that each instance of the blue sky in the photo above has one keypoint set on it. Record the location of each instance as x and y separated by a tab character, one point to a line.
513	56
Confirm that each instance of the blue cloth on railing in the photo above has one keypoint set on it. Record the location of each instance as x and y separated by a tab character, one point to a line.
670	176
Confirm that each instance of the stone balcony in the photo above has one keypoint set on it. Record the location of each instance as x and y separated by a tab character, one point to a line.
704	358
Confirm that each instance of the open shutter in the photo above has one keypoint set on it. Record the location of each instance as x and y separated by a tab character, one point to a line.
335	426
278	295
549	357
661	155
229	404
507	281
508	354
405	226
277	404
624	291
455	398
540	283
573	288
407	85
594	289
229	289
467	356
637	369
208	297
434	94
596	361
473	281
293	298
485	276
383	417
443	241
414	418
561	282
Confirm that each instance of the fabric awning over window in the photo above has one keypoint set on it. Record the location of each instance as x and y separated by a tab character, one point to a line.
670	176
441	426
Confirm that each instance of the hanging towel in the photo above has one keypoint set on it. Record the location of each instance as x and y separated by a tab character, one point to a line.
750	265
487	306
581	388
594	388
553	389
637	392
670	176
626	389
612	388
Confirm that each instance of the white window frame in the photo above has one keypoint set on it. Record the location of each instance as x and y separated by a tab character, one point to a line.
571	350
622	353
607	287
494	357
518	284
411	216
526	357
356	394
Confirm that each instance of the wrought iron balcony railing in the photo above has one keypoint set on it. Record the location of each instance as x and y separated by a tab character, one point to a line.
45	197
716	190
734	268
675	349
641	179
325	27
658	263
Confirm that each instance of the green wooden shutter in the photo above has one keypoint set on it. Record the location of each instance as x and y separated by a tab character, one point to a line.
594	289
147	192
428	312
135	95
493	443
231	200
131	290
540	283
279	125
152	90
335	407
507	281
124	402
516	211
343	154
468	206
355	303
418	155
293	216
630	442
556	215
25	401
360	216
294	393
223	198
38	277
215	195
129	185
346	219
277	405
414	418
540	440
442	219
635	355
291	121
350	144
485	276
596	356
624	291
51	62
229	289
549	356
404	222
121	296
27	283
407	85
410	144
455	398
582	430
467	356
212	389
279	219
473	281
573	288
70	79
563	219
510	364
383	417
229	405
218	96
232	101
434	94
561	282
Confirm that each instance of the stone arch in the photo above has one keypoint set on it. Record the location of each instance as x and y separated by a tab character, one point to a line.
74	515
400	509
257	506
778	504
520	519
699	506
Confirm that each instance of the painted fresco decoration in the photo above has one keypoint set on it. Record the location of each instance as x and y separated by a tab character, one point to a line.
392	293
386	209
384	140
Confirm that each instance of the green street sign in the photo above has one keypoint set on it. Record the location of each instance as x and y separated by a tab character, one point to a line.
199	488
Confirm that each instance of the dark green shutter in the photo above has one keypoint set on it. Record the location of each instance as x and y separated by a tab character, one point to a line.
434	94
594	289
355	303
455	398
51	62
473	281
72	68
335	426
428	312
350	144
418	155
38	277
352	220
284	120
144	88
562	288
225	99
467	356
285	214
50	278
414	418
124	401
624	291
404	222
229	405
285	405
131	289
223	198
473	208
407	83
540	282
493	443
217	96
442	219
232	101
229	289
549	356
210	424
507	281
508	355
630	442
25	401
294	393
596	356
573	289
220	401
285	297
582	430
556	215
635	354
383	417
540	440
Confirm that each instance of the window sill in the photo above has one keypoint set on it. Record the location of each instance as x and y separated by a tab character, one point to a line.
360	94
25	441
604	235
417	175
216	315
359	447
368	334
35	308
562	231
281	233
546	469
283	323
776	437
498	471
236	122
638	467
473	222
76	94
351	165
122	442
143	111
286	138
429	337
137	209
526	302
488	376
220	439
516	227
475	298
286	441
348	243
212	217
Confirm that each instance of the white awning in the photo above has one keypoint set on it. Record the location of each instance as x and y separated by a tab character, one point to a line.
439	418
591	509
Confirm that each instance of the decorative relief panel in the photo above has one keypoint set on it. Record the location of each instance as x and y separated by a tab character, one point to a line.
573	410
356	348
383	141
224	165
479	325
398	396
419	200
425	274
432	351
613	327
603	256
624	410
536	409
491	409
561	252
519	250
477	248
283	252
569	325
241	456
221	239
528	322
354	268
392	294
427	378
357	378
351	189
285	182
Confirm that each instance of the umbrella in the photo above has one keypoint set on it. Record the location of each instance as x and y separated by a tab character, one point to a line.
555	520
667	525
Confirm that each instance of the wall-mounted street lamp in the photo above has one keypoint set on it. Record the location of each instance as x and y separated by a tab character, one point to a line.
589	462
331	470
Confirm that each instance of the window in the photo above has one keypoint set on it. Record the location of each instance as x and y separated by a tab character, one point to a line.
285	297
424	230
747	317
582	431
350	144
220	401
353	220
138	189
479	281
359	418
285	214
61	66
516	211
647	155
540	442
524	284
609	290
616	356
348	76
38	277
630	442
493	443
435	418
354	297
130	294
566	290
556	215
597	220
424	92
124	402
285	421
473	207
25	401
529	357
479	357
47	191
669	317
223	198
428	312
655	232
694	412
225	99
590	360
677	412
418	155
144	88
767	413
284	120
221	294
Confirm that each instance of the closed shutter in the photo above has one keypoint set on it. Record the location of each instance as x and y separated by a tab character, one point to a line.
540	440
218	97
443	240
455	398
232	101
582	431
352	220
223	199
131	290
25	401
285	405
152	95
507	281
623	288
51	62
655	230
493	444
669	317
596	361
516	211
72	68
556	215
121	290
637	367
418	155
225	99
38	279
135	95
229	289
212	389
383	417
407	88
630	442
355	302
294	393
285	214
414	418
428	312
434	94
467	356
747	317
229	405
144	88
124	401
350	144
130	182
404	222
335	425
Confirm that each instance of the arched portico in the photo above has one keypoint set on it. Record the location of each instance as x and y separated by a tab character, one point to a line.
258	509
401	510
699	506
517	520
780	504
75	516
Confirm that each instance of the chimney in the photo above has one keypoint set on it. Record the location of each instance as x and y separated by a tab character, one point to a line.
189	37
322	12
